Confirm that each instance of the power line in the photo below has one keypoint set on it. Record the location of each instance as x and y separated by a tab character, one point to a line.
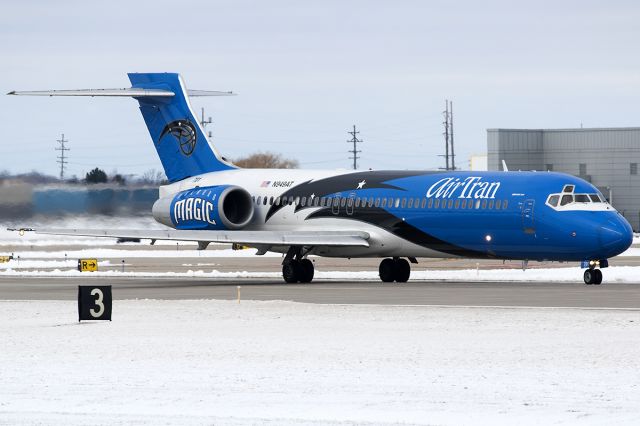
62	159
355	150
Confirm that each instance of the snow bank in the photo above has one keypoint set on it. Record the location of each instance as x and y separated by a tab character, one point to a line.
617	274
124	253
281	363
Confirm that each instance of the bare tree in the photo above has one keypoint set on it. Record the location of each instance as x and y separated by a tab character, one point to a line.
153	177
266	160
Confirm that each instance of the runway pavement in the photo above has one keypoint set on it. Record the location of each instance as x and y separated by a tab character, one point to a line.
615	296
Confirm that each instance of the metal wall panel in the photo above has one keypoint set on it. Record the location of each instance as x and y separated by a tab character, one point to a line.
607	153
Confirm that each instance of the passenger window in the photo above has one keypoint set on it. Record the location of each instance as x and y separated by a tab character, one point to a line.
464	204
404	203
370	203
450	204
457	204
336	202
253	198
390	202
430	202
358	202
484	204
397	203
377	202
505	203
582	198
303	201
384	202
566	199
491	205
343	201
264	201
410	202
271	201
259	200
350	202
424	202
498	204
477	204
437	205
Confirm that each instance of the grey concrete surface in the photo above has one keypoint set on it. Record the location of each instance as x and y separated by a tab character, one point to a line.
625	296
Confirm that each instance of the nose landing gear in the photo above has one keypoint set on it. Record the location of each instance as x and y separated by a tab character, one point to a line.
593	276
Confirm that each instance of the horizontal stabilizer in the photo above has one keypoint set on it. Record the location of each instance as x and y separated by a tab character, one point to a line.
250	238
126	92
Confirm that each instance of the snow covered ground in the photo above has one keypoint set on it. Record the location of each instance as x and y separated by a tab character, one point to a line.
283	363
618	274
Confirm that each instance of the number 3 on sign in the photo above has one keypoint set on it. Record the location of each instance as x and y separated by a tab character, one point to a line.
98	302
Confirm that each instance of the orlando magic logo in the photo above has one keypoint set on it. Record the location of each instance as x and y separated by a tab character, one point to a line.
184	132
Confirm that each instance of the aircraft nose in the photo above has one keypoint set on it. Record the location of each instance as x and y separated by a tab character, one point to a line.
616	236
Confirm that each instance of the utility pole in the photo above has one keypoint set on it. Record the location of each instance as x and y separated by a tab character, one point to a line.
62	158
204	123
453	156
355	151
448	136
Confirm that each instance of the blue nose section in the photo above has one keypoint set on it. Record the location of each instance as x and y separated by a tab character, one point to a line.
616	236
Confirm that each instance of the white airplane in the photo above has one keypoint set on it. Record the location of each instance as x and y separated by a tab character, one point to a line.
393	215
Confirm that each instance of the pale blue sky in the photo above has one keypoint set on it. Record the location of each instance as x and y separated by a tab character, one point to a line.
306	72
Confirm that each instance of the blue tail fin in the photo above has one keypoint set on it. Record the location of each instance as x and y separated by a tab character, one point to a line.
177	135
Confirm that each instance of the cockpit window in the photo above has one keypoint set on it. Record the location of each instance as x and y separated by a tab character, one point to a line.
568	188
582	198
566	199
594	198
553	200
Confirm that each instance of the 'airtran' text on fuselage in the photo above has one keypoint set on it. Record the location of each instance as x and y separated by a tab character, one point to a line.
193	209
470	187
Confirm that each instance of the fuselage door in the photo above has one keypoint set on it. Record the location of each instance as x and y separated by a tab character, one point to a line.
527	216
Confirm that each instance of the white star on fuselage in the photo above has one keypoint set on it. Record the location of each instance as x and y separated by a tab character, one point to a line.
361	184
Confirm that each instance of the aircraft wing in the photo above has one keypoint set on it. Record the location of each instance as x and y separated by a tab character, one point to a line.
250	238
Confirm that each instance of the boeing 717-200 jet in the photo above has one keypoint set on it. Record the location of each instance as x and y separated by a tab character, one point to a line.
397	216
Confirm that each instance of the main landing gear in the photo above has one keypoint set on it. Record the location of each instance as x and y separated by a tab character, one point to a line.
395	269
296	268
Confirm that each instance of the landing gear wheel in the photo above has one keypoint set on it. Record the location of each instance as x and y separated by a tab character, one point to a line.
307	271
387	270
391	270
598	276
291	271
590	276
403	270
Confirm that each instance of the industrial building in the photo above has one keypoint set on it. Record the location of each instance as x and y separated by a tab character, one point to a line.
606	157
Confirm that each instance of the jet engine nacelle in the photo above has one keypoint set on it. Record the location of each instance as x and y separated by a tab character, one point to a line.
210	207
